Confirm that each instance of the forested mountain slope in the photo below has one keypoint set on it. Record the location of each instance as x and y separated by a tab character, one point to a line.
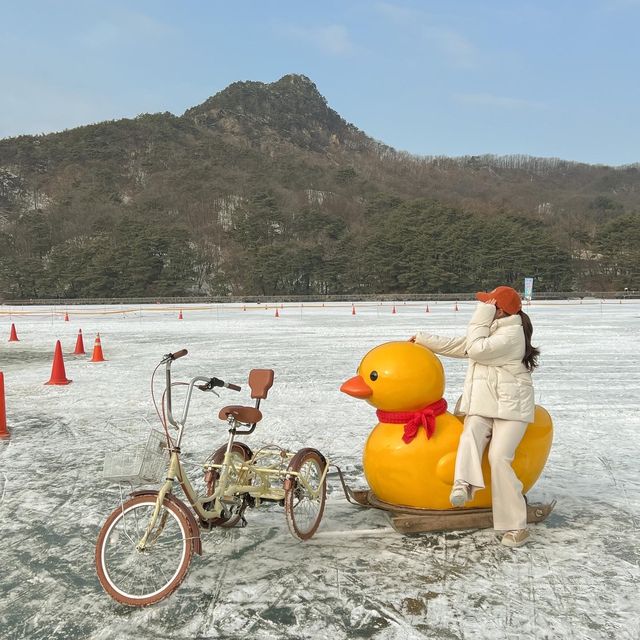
264	189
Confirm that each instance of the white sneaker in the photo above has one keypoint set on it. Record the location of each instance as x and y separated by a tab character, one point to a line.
460	494
515	538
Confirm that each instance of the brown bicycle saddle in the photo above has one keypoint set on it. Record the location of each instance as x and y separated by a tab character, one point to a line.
260	381
245	415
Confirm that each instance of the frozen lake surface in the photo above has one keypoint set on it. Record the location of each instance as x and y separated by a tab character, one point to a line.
579	577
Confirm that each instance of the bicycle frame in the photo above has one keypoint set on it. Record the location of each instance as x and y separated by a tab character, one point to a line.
175	470
259	479
259	486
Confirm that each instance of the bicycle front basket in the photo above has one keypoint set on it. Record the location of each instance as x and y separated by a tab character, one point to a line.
143	463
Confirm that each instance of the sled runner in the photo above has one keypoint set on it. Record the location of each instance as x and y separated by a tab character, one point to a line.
410	520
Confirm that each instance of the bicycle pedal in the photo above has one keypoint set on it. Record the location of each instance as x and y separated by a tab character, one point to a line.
205	524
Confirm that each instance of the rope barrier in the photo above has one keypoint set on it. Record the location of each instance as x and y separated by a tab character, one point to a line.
248	307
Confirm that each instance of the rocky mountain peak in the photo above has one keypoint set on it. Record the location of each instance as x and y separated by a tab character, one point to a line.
290	109
298	82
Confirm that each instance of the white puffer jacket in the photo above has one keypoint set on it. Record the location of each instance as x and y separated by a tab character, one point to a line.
498	384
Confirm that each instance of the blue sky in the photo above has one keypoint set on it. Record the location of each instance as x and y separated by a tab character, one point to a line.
544	78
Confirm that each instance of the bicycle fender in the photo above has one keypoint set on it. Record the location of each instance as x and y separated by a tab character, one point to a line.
193	523
306	450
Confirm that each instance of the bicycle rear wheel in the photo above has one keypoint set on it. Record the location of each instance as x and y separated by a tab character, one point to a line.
305	494
142	577
240	453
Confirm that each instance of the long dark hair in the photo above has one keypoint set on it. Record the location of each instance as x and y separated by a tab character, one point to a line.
531	353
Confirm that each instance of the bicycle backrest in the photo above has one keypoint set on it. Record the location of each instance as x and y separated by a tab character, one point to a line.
260	381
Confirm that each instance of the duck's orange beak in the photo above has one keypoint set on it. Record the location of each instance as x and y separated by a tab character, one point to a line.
356	387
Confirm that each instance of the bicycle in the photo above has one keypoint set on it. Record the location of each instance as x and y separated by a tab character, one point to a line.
146	545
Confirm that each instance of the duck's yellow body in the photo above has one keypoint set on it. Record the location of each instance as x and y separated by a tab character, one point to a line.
402	377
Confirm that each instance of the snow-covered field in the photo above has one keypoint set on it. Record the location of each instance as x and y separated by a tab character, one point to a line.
579	578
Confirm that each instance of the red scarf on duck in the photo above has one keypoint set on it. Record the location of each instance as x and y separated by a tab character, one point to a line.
414	419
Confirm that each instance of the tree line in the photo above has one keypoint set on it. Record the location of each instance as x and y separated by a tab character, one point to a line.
392	245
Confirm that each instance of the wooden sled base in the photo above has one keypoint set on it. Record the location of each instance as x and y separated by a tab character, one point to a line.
410	520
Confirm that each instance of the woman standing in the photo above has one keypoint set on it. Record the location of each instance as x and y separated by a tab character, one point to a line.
498	403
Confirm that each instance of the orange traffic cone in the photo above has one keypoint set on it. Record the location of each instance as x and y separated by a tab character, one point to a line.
427	311
97	355
277	314
79	350
353	309
394	309
180	315
4	433
58	374
13	336
66	317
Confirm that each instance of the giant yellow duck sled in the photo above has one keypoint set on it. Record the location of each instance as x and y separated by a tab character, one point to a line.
409	457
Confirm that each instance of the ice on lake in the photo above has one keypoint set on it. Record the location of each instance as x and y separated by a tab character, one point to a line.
579	577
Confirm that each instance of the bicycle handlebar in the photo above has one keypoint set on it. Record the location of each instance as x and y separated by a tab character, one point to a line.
209	384
170	357
216	382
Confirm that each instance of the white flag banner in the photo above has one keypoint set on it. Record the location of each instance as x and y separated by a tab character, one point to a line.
528	289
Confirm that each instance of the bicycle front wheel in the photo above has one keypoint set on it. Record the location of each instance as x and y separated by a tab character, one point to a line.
142	576
306	494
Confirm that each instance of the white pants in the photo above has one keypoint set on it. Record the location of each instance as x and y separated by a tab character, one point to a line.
509	506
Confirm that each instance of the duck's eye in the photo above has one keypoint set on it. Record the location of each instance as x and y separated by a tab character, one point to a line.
374	375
